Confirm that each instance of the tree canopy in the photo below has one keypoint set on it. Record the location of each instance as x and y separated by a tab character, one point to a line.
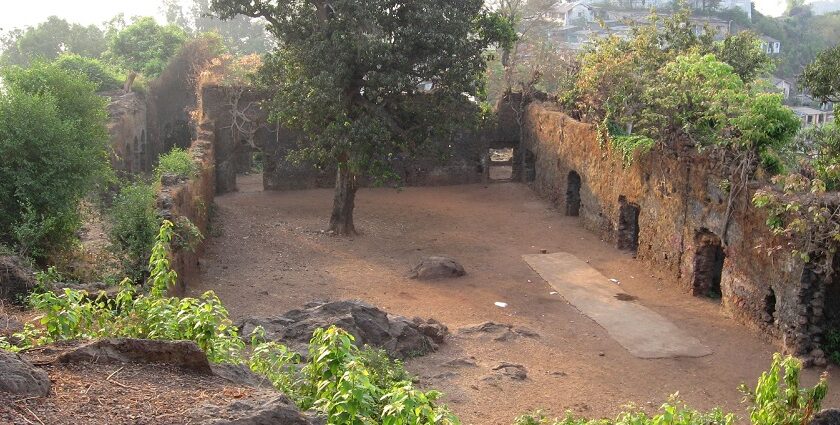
53	150
48	40
350	76
822	77
145	46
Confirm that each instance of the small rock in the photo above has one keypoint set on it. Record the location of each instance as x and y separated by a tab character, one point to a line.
437	267
512	370
19	377
460	362
601	354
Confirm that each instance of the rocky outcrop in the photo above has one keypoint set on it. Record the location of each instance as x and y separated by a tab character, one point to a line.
437	267
496	331
184	354
262	409
827	417
16	279
399	336
19	377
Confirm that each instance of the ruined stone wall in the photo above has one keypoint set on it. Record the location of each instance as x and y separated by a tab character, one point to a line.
130	152
679	201
190	198
241	127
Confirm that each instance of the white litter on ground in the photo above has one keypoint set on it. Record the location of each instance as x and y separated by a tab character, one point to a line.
501	304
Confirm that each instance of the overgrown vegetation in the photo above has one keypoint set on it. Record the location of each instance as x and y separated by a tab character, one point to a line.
104	76
777	399
351	385
53	152
133	225
177	162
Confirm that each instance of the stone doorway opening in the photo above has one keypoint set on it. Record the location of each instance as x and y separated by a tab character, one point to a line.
769	315
529	166
628	225
709	258
500	165
573	184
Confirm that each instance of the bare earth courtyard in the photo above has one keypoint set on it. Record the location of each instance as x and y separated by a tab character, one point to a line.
267	255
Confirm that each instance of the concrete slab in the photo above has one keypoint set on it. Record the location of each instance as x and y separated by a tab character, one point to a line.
643	332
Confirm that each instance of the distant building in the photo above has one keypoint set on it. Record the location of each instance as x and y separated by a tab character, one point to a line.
783	86
811	116
568	14
771	45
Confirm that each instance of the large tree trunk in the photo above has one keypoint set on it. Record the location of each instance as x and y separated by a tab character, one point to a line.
341	221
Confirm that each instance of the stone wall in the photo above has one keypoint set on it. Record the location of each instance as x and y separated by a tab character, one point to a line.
191	199
130	151
241	128
669	209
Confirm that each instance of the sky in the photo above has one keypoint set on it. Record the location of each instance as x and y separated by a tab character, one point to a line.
21	13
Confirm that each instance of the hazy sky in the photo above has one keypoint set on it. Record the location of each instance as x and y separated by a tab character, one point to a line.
20	13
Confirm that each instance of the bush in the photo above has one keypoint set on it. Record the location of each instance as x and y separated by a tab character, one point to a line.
53	152
178	162
776	400
102	75
133	226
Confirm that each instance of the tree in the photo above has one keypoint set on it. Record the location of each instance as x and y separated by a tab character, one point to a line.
53	150
146	47
822	77
50	39
744	53
348	74
243	35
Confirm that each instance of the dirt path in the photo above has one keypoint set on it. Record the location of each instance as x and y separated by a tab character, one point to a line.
269	256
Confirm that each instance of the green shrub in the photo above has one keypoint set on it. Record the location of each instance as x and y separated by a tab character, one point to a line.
105	77
53	152
134	223
178	162
777	398
350	385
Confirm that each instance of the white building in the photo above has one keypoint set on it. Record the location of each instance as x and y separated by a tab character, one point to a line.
811	116
771	45
782	86
568	14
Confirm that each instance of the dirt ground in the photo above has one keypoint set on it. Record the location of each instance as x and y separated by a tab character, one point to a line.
267	255
124	394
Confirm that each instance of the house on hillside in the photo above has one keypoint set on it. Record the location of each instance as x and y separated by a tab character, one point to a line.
811	116
568	14
771	45
783	86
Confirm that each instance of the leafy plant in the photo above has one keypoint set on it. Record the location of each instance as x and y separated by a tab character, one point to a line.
178	162
133	225
777	398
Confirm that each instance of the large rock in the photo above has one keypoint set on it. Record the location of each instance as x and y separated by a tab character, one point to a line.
184	354
827	417
16	279
399	336
19	377
261	409
437	267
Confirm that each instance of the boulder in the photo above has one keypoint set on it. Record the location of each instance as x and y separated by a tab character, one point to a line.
184	354
437	267
260	409
827	417
19	377
399	336
17	280
9	325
